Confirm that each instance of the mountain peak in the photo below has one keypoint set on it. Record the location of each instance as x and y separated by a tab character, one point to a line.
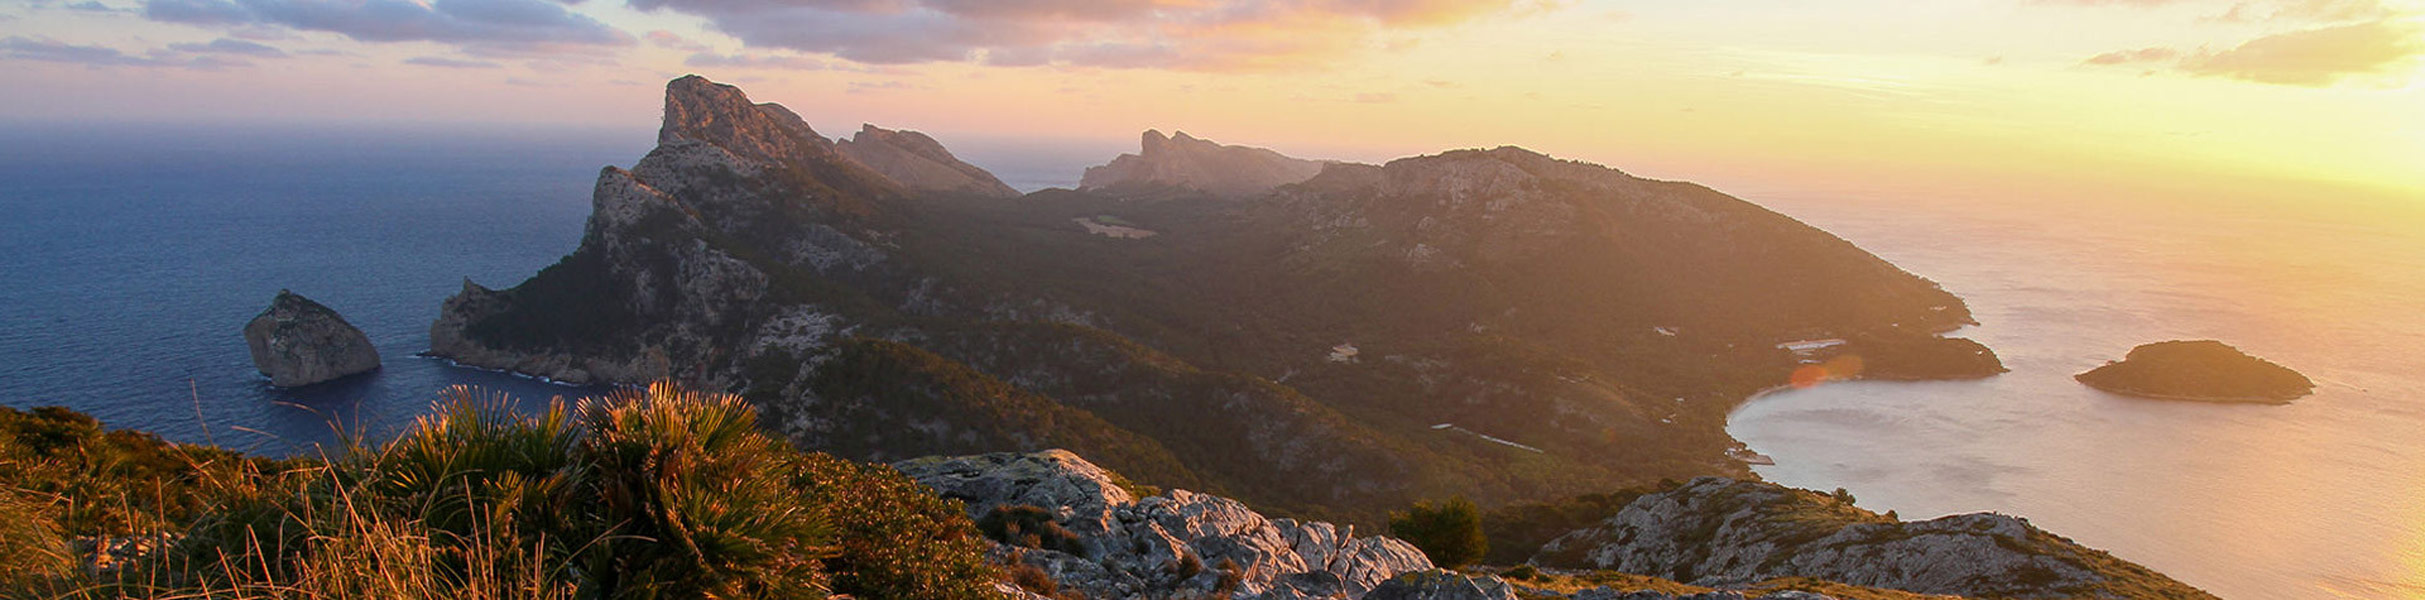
918	162
1185	161
703	111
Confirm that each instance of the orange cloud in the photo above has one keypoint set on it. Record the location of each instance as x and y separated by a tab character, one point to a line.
2316	57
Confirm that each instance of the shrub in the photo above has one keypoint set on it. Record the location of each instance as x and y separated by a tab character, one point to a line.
656	493
693	501
1029	526
1450	533
30	547
895	538
1033	579
1231	577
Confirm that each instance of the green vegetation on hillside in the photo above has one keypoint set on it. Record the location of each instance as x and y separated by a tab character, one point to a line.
639	494
1450	533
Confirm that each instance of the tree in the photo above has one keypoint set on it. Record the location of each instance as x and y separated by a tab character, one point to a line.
1450	533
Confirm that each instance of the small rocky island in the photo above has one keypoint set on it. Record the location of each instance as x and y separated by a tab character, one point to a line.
2198	370
298	342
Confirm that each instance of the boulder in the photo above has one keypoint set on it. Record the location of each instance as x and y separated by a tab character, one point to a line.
1174	543
2198	370
298	342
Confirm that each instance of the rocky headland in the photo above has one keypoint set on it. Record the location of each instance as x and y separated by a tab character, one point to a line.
2204	370
298	342
1577	326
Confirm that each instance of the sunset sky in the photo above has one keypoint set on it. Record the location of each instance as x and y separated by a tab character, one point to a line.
2268	99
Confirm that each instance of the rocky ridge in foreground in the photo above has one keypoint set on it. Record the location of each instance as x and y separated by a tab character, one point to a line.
1720	532
1173	543
1110	538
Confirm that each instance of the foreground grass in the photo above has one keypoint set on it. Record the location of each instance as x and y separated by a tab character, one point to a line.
639	494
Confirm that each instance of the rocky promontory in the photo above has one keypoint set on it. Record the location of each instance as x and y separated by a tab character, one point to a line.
1484	289
2198	370
298	342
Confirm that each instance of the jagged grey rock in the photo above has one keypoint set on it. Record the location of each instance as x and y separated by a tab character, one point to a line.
1442	585
1184	161
1719	532
1175	543
919	162
298	342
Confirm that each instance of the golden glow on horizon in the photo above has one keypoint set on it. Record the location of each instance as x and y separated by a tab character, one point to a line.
2004	97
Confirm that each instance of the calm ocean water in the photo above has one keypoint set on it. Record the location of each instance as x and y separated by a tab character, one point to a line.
135	254
2320	499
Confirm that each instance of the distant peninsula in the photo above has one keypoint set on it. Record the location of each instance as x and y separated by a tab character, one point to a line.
2204	370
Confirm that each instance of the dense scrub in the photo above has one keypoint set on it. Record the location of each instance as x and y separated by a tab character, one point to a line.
639	494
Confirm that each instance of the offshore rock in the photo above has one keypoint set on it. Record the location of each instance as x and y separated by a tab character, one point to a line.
2198	370
298	342
1178	543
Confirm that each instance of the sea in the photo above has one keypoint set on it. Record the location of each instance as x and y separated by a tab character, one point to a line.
132	255
2322	498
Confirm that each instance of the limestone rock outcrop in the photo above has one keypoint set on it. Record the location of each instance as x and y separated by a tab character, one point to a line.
1719	532
1183	161
298	342
1442	585
2198	370
1176	543
919	163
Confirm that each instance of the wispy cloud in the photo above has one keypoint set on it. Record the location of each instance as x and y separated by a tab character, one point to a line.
231	46
492	26
747	61
1181	34
451	63
41	49
2317	57
2139	56
2317	43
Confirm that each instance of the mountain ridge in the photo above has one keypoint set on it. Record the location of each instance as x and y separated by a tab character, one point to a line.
1294	348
